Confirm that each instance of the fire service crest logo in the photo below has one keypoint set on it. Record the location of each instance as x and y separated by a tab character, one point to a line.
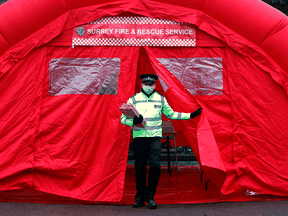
80	31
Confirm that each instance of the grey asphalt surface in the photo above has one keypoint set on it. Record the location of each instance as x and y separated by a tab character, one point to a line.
229	208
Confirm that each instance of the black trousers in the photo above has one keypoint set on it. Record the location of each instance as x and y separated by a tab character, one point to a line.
146	152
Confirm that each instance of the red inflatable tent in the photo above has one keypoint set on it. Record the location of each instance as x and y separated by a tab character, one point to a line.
72	144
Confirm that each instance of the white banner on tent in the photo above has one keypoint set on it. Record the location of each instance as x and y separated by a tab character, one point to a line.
134	31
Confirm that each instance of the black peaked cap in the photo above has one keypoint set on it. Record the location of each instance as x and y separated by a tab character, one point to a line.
148	78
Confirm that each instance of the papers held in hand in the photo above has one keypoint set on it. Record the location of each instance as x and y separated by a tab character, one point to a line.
130	112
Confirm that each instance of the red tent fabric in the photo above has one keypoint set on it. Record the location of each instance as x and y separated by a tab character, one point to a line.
205	149
73	147
60	141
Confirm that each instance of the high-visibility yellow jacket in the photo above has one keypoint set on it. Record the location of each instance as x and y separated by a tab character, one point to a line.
151	109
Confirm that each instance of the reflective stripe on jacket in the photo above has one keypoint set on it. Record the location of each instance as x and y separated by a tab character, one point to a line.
151	109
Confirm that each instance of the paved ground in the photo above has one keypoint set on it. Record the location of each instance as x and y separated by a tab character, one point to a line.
234	208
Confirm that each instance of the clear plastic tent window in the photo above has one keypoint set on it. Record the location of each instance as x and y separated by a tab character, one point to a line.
200	76
92	76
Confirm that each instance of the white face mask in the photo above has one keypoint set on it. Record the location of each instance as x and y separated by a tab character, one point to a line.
148	89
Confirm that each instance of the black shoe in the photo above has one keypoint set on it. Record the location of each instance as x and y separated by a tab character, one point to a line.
152	204
138	204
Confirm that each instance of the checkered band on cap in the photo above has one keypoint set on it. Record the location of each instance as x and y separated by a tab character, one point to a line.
148	79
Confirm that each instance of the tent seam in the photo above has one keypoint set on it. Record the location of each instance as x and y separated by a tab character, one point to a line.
270	34
37	130
203	5
6	40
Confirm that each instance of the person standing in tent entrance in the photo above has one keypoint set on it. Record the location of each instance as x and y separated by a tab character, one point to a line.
147	140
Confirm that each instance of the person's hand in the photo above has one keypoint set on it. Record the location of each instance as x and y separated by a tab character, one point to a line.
196	113
138	120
